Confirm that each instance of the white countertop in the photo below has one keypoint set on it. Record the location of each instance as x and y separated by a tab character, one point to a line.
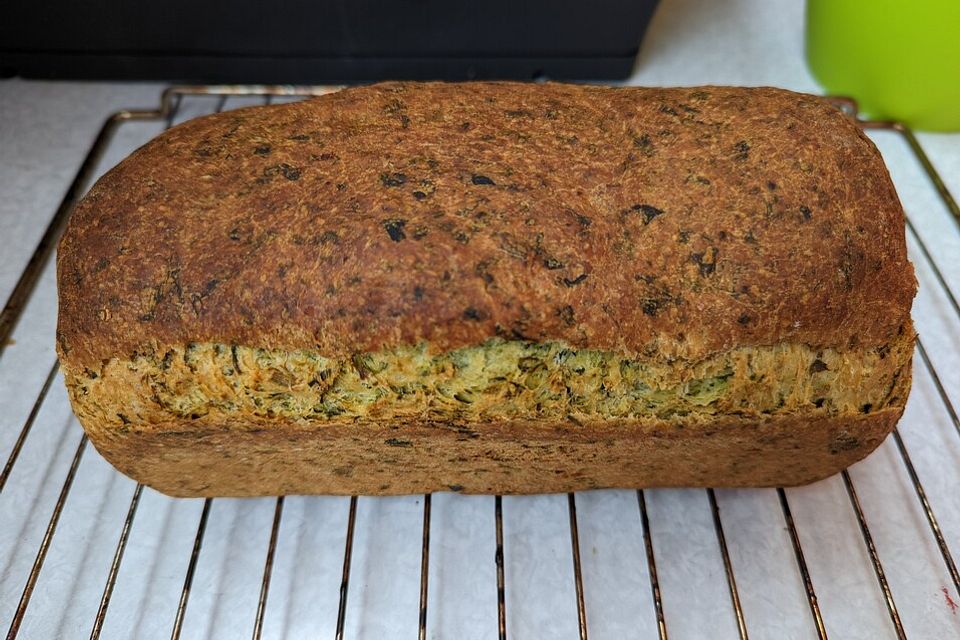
45	130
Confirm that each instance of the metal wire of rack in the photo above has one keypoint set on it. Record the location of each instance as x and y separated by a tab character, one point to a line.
167	111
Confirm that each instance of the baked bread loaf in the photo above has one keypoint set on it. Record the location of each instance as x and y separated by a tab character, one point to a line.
490	287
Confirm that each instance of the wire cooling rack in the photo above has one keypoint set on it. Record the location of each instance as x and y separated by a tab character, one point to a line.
866	554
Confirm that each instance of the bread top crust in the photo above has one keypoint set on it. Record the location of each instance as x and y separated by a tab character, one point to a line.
673	223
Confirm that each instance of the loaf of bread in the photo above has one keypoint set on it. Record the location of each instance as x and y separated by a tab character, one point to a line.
490	287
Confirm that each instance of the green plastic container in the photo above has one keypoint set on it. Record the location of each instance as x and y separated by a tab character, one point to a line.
899	59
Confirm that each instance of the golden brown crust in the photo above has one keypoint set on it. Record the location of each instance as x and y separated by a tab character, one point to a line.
672	222
503	457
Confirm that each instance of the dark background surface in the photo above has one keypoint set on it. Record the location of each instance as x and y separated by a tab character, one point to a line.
322	40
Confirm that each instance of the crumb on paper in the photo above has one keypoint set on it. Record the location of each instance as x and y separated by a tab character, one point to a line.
950	603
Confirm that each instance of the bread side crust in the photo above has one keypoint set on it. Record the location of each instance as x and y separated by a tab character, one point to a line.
504	457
